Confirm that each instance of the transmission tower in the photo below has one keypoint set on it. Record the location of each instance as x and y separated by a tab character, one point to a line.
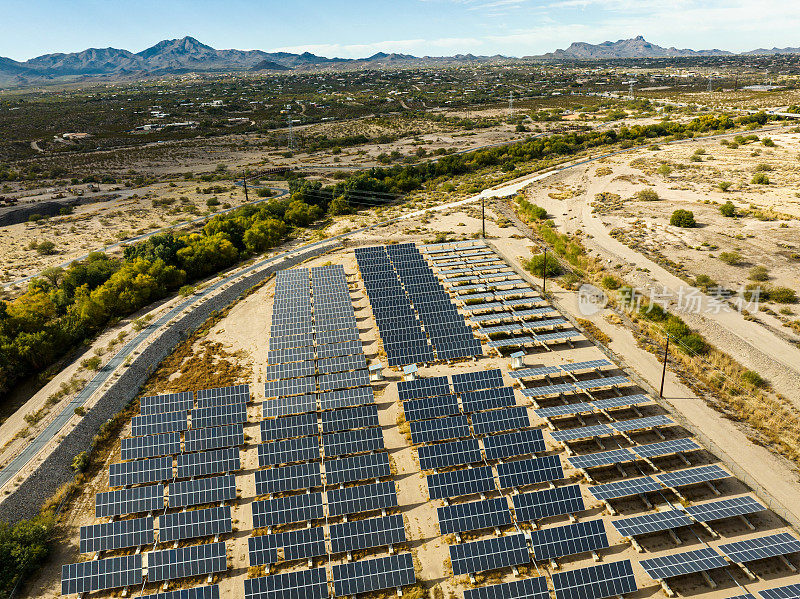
709	83
290	139
511	105
630	88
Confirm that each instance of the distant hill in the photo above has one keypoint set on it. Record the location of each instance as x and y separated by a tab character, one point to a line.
765	51
636	47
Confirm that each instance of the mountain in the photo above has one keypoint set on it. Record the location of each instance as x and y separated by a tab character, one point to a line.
636	47
766	52
269	65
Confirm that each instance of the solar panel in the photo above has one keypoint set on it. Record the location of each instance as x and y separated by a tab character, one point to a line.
649	523
298	386
195	560
691	476
595	582
427	387
150	446
205	463
460	482
487	399
129	501
583	432
565	410
284	406
288	478
791	591
343	380
168	402
430	407
164	422
303	543
355	468
285	510
290	370
308	584
209	592
678	564
344	398
530	472
140	472
351	442
287	451
602	458
666	447
625	488
641	423
527	442
368	575
473	381
230	394
291	354
287	427
342	363
287	341
474	515
489	554
363	534
559	541
529	507
214	437
100	574
725	508
511	342
621	402
119	534
439	429
194	524
750	550
235	413
549	390
184	493
445	455
361	498
485	423
350	418
527	588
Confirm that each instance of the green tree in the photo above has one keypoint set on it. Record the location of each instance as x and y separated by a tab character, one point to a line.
339	205
682	218
728	209
264	235
300	214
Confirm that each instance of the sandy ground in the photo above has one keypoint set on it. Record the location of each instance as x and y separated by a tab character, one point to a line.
245	329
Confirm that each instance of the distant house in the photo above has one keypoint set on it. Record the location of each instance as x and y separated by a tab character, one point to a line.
75	136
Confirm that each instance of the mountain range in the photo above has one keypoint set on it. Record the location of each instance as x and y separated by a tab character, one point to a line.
188	55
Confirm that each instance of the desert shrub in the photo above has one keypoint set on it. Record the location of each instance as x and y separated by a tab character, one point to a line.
647	195
758	273
682	218
46	248
760	179
664	170
724	185
530	211
753	378
704	282
767	141
611	282
763	168
728	209
536	265
731	258
782	295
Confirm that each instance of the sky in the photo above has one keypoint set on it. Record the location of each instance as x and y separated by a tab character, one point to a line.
358	28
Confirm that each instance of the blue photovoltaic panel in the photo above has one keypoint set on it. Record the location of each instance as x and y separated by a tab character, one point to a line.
205	463
439	429
284	510
151	446
527	442
368	575
725	508
118	534
529	507
209	592
355	468
691	476
100	574
194	560
352	442
485	423
214	437
185	493
791	591
430	407
344	398
169	402
635	424
482	379
283	387
164	422
530	472
652	450
687	562
140	472
527	588
285	406
445	455
582	432
565	410
361	498
303	543
487	399
625	488
287	427
305	584
559	541
222	395
427	387
129	501
288	478
649	523
350	418
473	515
595	582
602	458
287	451
193	524
364	534
489	554
457	483
750	550
234	413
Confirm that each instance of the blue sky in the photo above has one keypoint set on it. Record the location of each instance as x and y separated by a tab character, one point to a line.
358	28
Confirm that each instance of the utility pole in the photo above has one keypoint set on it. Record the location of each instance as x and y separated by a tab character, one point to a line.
709	83
511	105
544	271
664	368
244	180
630	87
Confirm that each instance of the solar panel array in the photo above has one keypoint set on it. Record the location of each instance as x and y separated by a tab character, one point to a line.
416	320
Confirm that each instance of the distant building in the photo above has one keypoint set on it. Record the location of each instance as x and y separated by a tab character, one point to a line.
75	136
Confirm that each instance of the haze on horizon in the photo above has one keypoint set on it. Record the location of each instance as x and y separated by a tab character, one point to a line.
357	28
